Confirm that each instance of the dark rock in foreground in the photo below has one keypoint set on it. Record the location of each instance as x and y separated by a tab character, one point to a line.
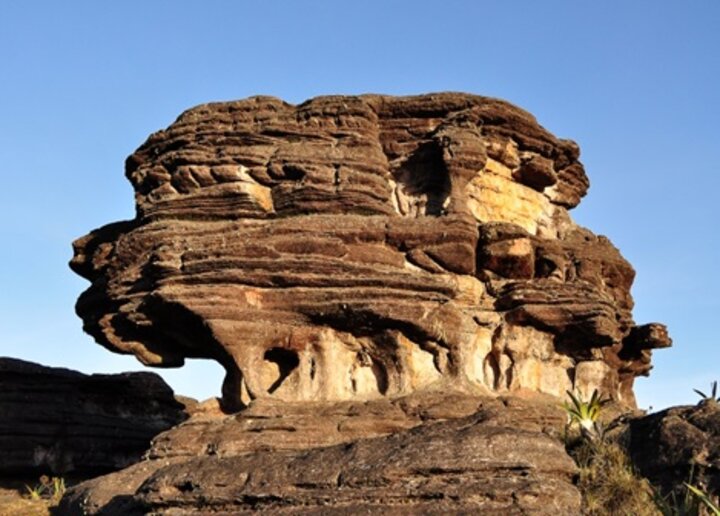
62	422
668	445
427	453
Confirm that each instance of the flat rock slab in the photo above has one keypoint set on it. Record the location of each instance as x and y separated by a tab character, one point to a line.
495	456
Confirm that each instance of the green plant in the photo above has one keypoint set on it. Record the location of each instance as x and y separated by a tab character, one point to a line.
607	480
713	393
585	414
674	505
35	493
48	489
704	498
689	504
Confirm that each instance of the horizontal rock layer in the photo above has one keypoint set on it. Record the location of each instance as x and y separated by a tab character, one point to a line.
61	422
420	454
364	247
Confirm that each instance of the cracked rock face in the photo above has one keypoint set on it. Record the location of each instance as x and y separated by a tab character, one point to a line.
360	247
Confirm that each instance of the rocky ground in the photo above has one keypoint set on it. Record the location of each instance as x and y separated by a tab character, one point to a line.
426	452
14	500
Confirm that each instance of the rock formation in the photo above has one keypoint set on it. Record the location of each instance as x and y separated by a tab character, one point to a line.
61	422
421	454
361	247
678	445
398	296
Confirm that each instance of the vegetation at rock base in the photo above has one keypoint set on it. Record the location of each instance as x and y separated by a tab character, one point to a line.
18	498
609	483
611	486
51	489
585	414
693	502
713	393
704	499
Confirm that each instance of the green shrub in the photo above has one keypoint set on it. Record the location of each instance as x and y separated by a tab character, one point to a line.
51	489
608	482
713	393
585	414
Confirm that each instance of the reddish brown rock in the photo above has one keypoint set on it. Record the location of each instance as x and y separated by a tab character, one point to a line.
363	247
426	453
59	422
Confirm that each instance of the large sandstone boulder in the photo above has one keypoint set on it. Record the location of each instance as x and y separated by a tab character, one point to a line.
62	422
362	247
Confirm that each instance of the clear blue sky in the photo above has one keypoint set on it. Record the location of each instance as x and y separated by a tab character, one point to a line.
636	84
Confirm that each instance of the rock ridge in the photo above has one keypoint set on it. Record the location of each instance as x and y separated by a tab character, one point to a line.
61	422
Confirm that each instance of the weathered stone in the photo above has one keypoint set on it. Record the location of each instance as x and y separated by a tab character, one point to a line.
361	247
678	445
536	172
61	422
425	453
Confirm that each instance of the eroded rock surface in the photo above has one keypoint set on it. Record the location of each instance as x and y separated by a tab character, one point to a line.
365	247
677	445
55	421
426	453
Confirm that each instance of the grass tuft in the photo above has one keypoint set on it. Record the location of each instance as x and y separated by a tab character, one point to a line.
609	483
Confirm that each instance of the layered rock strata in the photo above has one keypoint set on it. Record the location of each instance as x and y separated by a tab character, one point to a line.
59	422
361	247
424	453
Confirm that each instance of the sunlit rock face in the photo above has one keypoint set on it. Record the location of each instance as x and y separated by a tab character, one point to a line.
357	247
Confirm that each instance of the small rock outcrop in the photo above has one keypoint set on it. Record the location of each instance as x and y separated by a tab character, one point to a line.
677	445
425	453
55	421
364	247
